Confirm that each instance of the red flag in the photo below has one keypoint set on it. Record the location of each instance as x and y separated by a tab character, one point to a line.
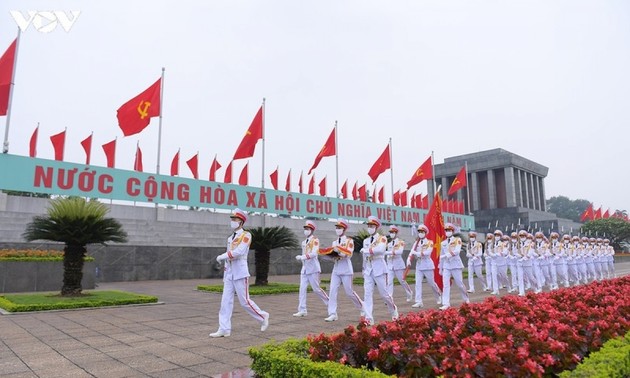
397	198
435	222
344	189
425	202
412	200
381	195
287	185
193	164
382	164
606	214
311	185
403	198
322	187
461	207
110	153
59	142
175	165
248	144
274	179
135	115
588	213
355	191
424	172
300	183
215	167
418	201
7	63
137	164
362	193
87	146
228	174
598	213
327	150
32	150
459	181
242	179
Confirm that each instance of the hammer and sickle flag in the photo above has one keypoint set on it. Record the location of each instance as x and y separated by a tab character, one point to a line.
135	115
424	172
459	182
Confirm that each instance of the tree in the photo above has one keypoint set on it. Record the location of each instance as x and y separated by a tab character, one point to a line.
564	207
77	223
358	240
264	239
613	229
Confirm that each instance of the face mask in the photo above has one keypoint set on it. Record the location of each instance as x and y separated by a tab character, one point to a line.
513	240
523	238
538	240
339	231
421	235
449	234
307	233
392	235
472	240
234	224
371	230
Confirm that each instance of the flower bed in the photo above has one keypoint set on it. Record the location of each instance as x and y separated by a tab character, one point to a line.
536	335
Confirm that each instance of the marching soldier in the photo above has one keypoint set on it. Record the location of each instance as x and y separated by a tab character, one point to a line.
375	270
309	275
235	277
451	266
396	264
610	258
524	263
559	260
341	253
511	260
540	248
425	267
487	255
473	253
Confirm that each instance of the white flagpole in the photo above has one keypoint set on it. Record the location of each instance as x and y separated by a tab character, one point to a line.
5	148
391	168
433	173
263	145
159	149
336	160
65	137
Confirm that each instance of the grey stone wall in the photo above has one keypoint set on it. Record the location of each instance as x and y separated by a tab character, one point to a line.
28	276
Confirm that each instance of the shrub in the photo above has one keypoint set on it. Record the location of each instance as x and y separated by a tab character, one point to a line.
33	255
612	361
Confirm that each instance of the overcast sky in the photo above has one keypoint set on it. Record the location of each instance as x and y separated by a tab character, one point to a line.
547	80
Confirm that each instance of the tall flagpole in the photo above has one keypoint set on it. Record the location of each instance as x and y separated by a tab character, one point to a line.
65	137
262	185
5	148
433	174
159	150
391	168
336	160
467	186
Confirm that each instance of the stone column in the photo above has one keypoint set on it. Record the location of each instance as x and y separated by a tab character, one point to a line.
543	201
525	184
492	190
532	195
510	189
474	192
444	187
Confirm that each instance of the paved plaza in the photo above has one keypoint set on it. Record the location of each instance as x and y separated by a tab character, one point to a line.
169	339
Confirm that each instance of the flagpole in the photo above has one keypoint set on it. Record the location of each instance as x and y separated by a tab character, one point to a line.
433	174
65	136
336	160
262	178
5	148
467	186
159	149
91	141
391	167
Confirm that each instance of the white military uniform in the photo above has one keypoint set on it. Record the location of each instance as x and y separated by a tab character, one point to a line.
396	267
474	265
425	268
451	265
526	272
560	273
309	275
236	280
487	254
342	274
610	259
375	272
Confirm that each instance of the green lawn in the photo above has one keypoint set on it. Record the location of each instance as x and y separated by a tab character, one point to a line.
271	288
54	301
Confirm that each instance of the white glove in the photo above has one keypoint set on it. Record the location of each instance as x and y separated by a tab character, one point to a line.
222	257
299	258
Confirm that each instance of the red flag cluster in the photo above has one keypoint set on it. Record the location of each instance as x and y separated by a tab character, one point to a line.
591	214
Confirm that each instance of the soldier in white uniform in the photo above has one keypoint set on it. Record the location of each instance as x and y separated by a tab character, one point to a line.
559	273
396	264
421	250
451	265
473	253
236	277
375	271
487	256
309	275
540	251
601	251
341	254
610	258
511	260
526	255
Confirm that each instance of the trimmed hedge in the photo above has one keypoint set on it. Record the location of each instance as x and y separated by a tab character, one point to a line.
54	302
269	289
290	360
34	255
611	361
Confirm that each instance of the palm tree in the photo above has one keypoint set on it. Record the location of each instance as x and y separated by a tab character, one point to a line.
264	239
77	223
358	239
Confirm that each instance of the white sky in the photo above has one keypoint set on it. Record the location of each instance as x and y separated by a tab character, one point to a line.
548	80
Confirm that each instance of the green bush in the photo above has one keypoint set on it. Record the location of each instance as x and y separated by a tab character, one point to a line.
48	301
269	289
611	361
290	359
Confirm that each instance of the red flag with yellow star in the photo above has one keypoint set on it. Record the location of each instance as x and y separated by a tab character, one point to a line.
254	133
328	150
135	115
